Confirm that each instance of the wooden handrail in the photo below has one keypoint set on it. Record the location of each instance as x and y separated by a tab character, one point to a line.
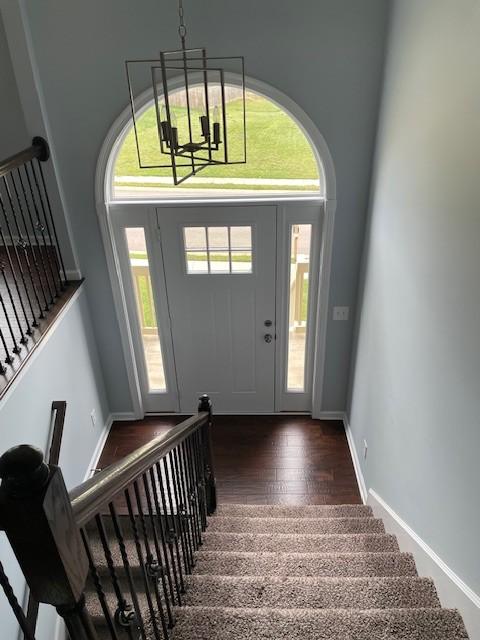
92	495
39	149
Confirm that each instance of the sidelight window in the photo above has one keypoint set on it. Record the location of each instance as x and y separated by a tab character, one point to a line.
146	313
300	253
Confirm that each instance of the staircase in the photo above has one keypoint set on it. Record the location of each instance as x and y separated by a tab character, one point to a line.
309	573
134	553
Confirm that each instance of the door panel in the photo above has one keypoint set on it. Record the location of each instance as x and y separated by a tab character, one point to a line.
219	303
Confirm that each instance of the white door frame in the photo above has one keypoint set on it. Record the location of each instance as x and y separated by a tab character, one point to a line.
106	207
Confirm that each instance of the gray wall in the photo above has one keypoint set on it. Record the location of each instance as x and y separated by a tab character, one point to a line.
13	132
416	385
65	367
325	54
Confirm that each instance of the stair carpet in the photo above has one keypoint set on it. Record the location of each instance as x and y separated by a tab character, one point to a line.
307	573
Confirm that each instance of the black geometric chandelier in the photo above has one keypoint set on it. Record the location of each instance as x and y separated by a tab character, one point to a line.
199	120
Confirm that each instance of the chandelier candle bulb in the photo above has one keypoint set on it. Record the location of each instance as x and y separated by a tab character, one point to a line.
166	132
204	126
216	133
174	138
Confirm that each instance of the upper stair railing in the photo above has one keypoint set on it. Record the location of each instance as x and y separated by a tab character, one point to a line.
32	270
131	529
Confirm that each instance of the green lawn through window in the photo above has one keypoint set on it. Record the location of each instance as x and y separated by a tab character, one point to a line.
276	148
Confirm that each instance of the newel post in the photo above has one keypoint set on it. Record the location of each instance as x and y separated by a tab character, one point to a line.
38	520
205	404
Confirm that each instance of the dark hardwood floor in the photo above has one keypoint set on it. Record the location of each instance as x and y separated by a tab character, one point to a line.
262	459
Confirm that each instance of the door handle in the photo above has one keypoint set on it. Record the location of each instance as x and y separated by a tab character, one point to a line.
268	337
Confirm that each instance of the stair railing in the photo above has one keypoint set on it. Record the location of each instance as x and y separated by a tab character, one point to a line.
134	526
32	270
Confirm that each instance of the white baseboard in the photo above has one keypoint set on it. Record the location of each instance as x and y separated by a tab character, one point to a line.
356	460
73	274
452	591
99	448
330	415
121	417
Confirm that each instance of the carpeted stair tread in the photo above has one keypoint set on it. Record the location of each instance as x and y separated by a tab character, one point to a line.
293	511
218	623
351	542
237	563
296	525
314	593
273	572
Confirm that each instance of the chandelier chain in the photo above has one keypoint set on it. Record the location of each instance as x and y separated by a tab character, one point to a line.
182	29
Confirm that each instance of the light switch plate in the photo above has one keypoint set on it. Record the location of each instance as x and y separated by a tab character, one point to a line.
341	313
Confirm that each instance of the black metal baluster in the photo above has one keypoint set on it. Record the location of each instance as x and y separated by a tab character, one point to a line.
12	268
162	560
172	528
39	237
8	359
53	259
34	243
173	500
136	540
193	474
184	475
166	540
52	221
153	567
98	586
208	472
184	512
23	340
126	566
15	605
202	495
183	459
199	482
125	615
188	471
40	227
22	243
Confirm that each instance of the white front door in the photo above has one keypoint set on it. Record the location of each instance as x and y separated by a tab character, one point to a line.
219	264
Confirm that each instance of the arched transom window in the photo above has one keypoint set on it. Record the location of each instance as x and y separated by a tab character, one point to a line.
280	158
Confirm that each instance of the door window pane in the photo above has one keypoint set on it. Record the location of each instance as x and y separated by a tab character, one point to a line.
195	238
241	238
300	245
241	261
218	238
218	250
219	262
147	318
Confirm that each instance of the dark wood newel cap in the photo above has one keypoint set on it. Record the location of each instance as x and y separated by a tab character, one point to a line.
204	403
23	468
43	148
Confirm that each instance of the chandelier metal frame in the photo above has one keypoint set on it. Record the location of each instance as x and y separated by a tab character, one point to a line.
212	146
